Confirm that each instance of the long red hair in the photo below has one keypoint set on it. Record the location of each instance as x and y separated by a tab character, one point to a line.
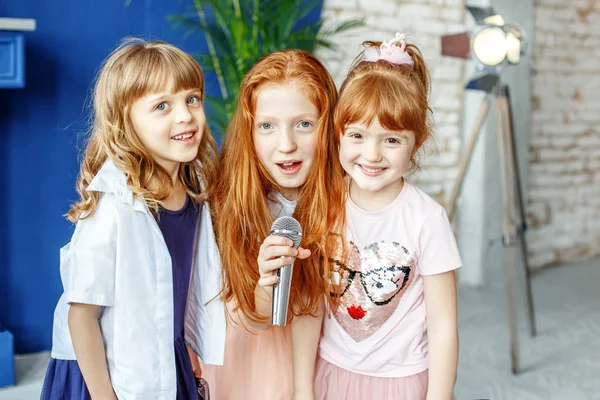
241	217
398	95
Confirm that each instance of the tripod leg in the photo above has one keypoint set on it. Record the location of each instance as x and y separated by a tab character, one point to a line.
466	157
521	218
512	300
530	305
508	231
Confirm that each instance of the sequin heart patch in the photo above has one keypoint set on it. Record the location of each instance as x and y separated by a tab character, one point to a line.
372	283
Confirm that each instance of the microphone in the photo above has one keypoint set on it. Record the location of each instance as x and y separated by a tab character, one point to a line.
290	228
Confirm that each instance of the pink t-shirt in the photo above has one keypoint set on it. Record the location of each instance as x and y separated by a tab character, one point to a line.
380	328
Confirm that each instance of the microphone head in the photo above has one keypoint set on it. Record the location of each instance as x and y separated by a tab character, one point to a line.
287	227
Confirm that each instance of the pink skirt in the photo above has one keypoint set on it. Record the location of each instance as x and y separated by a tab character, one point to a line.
257	365
334	383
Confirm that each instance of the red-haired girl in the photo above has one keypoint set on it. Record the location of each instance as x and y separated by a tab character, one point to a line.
279	158
394	333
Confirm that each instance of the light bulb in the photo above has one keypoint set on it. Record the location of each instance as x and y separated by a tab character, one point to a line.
490	46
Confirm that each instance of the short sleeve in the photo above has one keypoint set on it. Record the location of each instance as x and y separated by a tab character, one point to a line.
438	249
87	263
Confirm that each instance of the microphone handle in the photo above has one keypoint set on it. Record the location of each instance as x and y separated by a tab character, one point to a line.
281	295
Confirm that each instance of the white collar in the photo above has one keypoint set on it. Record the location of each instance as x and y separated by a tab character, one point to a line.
111	179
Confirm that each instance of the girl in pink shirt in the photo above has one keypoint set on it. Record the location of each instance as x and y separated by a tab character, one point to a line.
394	333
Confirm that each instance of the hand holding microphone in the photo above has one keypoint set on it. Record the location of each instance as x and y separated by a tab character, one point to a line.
275	263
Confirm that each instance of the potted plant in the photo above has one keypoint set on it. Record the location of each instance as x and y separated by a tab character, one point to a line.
239	32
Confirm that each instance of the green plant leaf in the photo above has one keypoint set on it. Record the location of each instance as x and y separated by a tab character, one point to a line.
239	32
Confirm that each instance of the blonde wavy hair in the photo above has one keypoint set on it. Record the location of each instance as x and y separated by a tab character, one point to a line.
136	68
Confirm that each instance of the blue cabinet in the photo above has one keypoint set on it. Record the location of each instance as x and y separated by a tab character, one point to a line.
12	60
12	51
7	364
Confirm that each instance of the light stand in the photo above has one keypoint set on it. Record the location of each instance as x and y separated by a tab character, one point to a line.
495	44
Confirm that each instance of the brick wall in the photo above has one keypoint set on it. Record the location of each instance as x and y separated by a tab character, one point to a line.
424	21
564	178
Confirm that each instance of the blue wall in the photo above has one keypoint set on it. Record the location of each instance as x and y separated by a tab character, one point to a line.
40	134
40	131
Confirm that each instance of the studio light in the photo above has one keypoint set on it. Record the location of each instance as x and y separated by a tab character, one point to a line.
489	46
494	44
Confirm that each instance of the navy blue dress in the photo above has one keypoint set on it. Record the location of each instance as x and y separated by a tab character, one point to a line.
64	380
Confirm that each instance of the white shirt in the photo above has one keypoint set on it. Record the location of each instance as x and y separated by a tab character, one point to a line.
118	259
279	206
